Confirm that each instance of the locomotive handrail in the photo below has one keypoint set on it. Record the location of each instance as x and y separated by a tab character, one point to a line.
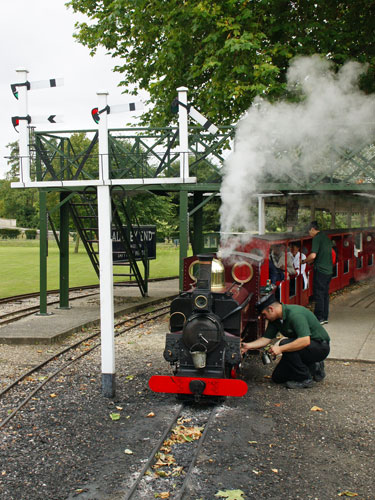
238	308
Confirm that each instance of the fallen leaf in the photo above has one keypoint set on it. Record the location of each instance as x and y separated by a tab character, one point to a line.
275	470
162	473
277	404
151	414
115	416
253	442
257	472
348	494
119	408
164	494
316	408
53	395
231	494
128	452
267	376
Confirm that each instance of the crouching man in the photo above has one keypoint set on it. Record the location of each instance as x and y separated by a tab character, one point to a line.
304	349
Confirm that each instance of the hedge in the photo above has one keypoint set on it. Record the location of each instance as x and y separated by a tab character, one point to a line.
30	234
10	234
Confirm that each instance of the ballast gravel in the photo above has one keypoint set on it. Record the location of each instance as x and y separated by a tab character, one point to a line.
274	443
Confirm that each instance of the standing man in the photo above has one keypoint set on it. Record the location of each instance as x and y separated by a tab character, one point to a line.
304	349
321	256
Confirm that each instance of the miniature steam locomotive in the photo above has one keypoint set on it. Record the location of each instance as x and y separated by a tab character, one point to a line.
216	310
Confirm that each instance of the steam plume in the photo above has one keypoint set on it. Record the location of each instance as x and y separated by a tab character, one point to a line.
276	139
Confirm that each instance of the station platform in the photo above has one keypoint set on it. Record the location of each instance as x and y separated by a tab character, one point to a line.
83	313
351	324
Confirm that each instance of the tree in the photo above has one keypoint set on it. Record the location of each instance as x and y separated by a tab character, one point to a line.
19	204
226	53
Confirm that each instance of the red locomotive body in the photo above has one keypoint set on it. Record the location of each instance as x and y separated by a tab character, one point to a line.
216	310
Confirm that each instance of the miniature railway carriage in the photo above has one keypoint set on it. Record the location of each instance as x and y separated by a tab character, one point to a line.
217	308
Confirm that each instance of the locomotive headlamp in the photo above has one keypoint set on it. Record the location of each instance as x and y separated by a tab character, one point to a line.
242	272
369	238
201	302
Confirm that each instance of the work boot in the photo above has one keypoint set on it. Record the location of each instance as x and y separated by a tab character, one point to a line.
294	384
319	372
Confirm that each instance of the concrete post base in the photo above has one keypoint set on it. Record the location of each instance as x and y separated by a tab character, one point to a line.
108	385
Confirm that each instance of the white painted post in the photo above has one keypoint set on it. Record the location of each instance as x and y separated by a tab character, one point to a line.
261	215
183	132
105	257
103	137
24	154
106	291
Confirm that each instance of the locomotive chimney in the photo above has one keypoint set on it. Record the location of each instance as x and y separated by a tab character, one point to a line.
204	273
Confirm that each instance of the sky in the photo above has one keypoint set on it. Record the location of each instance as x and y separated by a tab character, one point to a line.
38	35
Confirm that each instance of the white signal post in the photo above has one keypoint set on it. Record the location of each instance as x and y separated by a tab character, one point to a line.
183	132
24	154
105	257
103	137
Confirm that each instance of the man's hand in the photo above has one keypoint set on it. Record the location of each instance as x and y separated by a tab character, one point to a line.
275	350
244	347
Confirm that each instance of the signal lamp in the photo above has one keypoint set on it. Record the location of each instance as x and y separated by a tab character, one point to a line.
95	115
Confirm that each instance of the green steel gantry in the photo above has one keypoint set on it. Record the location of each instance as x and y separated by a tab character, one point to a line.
148	153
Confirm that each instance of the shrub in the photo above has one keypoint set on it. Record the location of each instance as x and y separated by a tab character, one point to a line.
31	234
11	234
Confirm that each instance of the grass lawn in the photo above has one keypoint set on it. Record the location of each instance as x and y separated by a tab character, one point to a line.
19	266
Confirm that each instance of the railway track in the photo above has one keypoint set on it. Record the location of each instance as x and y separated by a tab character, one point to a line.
25	296
17	314
18	306
17	394
187	428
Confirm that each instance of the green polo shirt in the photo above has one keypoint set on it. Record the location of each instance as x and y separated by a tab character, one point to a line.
322	246
297	322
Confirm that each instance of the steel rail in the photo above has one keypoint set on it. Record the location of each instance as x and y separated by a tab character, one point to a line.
79	356
179	494
5	300
195	456
151	458
32	309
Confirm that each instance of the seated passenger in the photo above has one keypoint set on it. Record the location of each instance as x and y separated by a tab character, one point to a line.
277	264
298	256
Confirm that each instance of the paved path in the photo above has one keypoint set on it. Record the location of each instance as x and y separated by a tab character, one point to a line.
352	324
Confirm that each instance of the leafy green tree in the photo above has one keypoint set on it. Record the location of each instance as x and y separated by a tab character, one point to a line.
19	204
226	53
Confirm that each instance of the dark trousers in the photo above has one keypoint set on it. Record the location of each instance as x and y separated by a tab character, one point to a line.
275	273
321	294
295	365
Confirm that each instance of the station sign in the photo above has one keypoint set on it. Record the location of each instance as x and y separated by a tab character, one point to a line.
139	237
